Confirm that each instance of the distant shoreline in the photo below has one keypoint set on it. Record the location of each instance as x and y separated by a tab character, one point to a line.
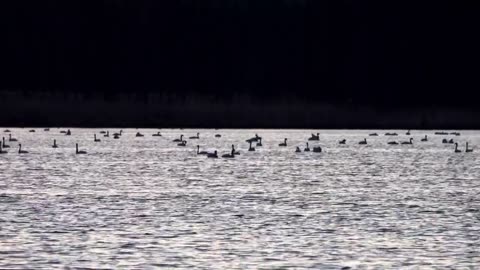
194	111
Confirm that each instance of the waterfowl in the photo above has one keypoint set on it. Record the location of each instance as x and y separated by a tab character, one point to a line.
450	141
68	133
284	142
298	150
231	155
102	132
63	132
259	143
1	150
212	155
218	135
307	149
20	151
317	149
46	129
408	133
157	134
373	134
250	148
441	133
195	137
391	134
314	137
116	136
201	152
6	131
31	130
254	139
106	135
183	143
79	152
179	140
342	141
363	142
456	148
95	138
468	150
139	134
54	144
4	145
10	139
408	142
424	139
444	141
392	143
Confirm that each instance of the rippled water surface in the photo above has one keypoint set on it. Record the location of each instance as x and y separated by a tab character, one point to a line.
146	203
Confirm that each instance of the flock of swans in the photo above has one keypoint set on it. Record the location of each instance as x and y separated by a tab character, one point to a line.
257	140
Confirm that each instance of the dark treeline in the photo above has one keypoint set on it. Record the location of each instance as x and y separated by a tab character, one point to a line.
387	58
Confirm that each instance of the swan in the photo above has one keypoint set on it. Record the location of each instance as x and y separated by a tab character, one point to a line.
231	155
259	143
218	136
6	130
79	152
195	137
250	148
20	151
456	148
54	144
468	150
317	149
95	138
450	141
298	150
157	134
1	150
201	152
3	143
425	139
393	143
118	133
179	140
391	134
255	139
307	149
63	132
314	137
107	134
212	155
46	129
31	130
363	142
10	139
409	142
139	134
444	141
103	132
373	134
408	133
284	142
342	141
183	143
116	136
68	133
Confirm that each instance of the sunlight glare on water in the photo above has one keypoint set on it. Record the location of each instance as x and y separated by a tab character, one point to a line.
144	202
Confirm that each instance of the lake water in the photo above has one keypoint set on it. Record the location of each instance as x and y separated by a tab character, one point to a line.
146	203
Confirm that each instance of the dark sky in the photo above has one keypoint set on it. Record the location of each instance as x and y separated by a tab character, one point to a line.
383	53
